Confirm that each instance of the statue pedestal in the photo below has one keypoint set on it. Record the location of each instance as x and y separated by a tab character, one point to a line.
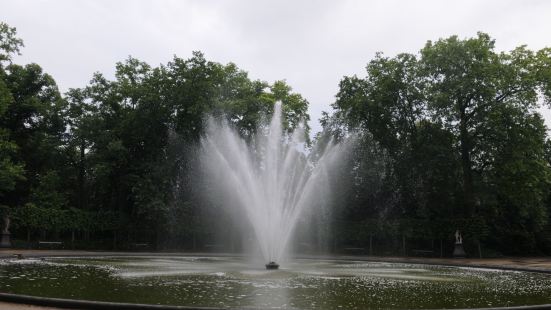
5	241
458	251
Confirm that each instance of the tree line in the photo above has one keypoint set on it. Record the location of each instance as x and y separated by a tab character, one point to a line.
447	139
451	140
114	160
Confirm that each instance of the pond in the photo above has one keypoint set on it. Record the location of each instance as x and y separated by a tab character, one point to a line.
303	283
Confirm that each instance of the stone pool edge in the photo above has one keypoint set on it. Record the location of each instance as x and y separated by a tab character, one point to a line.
86	304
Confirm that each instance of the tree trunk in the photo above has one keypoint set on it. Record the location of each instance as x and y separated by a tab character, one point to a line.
73	239
370	244
114	239
466	166
81	175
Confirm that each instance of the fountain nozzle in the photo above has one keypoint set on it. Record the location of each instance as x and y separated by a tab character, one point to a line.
272	266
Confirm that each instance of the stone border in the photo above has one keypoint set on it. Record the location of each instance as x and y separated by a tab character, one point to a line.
87	304
101	305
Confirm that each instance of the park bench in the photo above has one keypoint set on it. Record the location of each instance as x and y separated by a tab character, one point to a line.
354	250
50	244
140	246
214	247
417	252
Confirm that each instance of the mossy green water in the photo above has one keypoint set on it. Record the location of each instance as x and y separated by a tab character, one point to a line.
303	284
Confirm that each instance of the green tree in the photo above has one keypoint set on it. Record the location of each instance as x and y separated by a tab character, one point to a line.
10	171
466	80
459	122
35	122
518	177
132	140
9	42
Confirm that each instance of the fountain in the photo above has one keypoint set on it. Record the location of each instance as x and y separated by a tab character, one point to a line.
273	181
272	266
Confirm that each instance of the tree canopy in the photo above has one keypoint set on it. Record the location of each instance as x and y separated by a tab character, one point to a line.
120	147
461	126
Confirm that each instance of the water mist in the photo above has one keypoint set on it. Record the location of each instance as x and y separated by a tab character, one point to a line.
272	180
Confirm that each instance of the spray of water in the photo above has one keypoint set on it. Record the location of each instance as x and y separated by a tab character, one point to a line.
273	180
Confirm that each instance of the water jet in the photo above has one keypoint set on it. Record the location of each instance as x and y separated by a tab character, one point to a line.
271	181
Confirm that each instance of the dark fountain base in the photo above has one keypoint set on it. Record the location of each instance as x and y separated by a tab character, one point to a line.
272	266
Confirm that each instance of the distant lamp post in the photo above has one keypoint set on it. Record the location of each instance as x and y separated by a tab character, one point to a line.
458	250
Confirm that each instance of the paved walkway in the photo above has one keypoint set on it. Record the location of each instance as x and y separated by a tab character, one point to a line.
10	306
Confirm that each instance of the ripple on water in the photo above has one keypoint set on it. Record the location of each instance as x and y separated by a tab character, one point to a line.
306	284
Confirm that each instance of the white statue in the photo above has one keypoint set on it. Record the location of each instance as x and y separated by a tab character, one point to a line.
6	225
458	238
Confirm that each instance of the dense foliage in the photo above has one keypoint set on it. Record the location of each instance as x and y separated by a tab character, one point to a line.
446	139
465	146
116	157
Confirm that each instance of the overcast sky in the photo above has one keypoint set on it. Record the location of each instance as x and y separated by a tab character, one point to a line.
311	44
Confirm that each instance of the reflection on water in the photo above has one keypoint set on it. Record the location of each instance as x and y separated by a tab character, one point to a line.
303	284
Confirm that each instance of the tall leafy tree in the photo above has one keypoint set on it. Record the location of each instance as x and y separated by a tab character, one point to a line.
467	79
11	171
31	125
459	117
134	138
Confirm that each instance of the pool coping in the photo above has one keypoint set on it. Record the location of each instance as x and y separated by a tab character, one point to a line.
89	304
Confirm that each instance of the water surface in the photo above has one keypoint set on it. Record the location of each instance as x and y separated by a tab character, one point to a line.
302	284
